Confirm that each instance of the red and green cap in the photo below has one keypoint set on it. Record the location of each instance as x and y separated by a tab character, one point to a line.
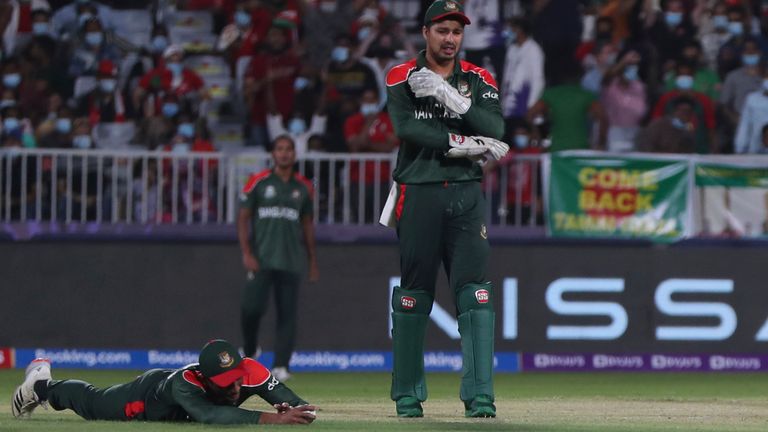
221	363
445	9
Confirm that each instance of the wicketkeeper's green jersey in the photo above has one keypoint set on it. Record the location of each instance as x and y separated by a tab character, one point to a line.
423	124
278	208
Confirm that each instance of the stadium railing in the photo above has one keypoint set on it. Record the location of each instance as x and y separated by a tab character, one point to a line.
151	187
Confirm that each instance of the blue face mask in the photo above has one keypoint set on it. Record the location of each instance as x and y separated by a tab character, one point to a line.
170	109
297	126
684	82
5	103
175	68
81	141
94	38
187	130
367	109
676	122
363	33
40	28
736	28
300	84
521	141
673	19
720	21
509	36
107	85
750	59
159	43
631	72
340	54
180	148
12	80
11	124
242	18
64	125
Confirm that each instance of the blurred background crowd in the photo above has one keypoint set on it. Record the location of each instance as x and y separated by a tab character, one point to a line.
676	76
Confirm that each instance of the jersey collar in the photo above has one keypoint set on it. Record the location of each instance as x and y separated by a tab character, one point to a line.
421	61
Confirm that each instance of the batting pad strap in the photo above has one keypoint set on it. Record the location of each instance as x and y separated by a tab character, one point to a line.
414	301
475	296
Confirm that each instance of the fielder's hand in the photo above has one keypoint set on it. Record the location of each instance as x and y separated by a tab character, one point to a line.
425	83
476	147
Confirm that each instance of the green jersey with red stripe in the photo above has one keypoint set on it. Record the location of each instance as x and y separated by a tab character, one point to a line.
423	124
278	207
179	395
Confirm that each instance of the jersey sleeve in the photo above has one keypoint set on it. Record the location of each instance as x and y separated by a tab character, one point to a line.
259	381
248	196
190	395
484	115
401	111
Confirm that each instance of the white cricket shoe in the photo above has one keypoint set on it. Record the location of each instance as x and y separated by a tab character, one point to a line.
24	399
281	374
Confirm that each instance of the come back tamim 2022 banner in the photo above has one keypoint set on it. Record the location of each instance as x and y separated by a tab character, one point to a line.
619	197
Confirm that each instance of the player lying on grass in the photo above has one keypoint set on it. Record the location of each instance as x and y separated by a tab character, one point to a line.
210	391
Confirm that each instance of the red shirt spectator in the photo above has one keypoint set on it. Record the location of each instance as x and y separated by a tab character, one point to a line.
277	66
370	131
170	77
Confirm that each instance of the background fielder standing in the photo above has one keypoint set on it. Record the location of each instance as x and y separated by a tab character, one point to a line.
447	114
275	215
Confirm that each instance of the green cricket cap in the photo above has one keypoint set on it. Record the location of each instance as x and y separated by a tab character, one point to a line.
221	363
445	9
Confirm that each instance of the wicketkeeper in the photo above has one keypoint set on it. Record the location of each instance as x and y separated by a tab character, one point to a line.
447	114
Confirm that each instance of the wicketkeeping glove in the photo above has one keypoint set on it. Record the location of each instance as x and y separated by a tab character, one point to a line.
425	83
473	146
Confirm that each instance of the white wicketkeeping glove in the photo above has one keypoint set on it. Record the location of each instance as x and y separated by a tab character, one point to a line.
425	83
473	147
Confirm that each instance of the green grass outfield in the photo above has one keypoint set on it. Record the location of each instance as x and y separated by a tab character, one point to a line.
526	402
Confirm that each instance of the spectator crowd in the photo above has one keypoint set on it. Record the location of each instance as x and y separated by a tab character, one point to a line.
676	76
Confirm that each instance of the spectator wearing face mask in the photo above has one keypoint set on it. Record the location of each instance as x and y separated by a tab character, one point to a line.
276	66
673	132
524	72
170	77
714	33
369	131
520	206
624	101
705	80
67	18
15	123
296	126
156	128
93	45
670	29
348	78
729	55
602	59
704	108
57	132
105	103
738	85
377	52
754	115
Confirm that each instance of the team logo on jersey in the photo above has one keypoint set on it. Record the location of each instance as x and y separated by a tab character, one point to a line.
482	296
464	89
225	360
483	232
295	194
270	192
407	302
450	6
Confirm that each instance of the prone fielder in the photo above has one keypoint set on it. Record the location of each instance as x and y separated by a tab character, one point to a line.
448	116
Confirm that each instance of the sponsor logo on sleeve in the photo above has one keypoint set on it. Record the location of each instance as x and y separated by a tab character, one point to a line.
490	95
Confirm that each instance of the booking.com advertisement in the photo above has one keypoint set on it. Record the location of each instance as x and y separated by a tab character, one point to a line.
301	361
